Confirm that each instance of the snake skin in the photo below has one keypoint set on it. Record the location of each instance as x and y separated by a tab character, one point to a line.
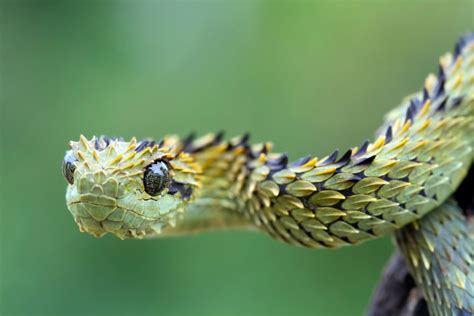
422	153
440	252
397	293
370	191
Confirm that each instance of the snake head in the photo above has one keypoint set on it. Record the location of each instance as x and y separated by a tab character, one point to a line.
130	189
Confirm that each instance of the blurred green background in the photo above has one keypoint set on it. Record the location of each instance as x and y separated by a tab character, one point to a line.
309	76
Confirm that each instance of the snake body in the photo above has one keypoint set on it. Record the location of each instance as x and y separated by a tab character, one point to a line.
420	156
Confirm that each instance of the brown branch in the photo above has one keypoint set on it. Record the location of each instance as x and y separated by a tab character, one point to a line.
396	293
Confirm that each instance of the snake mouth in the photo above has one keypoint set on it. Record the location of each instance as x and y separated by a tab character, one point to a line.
99	219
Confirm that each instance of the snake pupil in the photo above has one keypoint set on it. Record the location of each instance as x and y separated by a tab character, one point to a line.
69	167
156	178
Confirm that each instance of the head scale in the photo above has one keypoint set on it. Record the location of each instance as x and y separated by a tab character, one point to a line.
129	189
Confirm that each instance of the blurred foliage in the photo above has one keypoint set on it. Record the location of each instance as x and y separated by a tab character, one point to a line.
309	76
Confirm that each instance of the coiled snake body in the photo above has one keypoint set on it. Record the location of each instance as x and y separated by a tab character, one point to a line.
421	154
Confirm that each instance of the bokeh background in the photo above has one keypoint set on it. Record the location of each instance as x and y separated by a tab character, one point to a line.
309	76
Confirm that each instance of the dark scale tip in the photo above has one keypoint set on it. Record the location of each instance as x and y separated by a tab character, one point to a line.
426	95
461	43
442	105
365	161
330	159
101	142
144	144
244	139
411	110
98	145
457	100
441	73
300	161
106	139
242	142
344	160
189	139
174	187
189	146
278	163
457	50
185	190
362	149
388	134
439	88
218	137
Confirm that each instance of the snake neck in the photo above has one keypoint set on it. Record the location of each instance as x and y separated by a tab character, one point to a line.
218	203
414	165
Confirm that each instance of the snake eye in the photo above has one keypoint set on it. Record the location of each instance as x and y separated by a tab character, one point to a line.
69	167
156	178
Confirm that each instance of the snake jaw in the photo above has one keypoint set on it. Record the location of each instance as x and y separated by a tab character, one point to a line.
106	193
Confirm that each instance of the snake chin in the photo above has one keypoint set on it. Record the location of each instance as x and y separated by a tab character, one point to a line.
99	220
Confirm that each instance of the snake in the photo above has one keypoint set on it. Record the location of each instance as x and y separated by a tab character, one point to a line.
400	183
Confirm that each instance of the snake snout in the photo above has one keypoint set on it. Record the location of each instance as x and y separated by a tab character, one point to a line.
129	189
97	194
93	202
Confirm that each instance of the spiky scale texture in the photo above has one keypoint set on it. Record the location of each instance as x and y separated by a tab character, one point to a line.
411	168
440	252
418	160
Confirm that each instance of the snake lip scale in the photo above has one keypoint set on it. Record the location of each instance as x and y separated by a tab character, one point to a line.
400	183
